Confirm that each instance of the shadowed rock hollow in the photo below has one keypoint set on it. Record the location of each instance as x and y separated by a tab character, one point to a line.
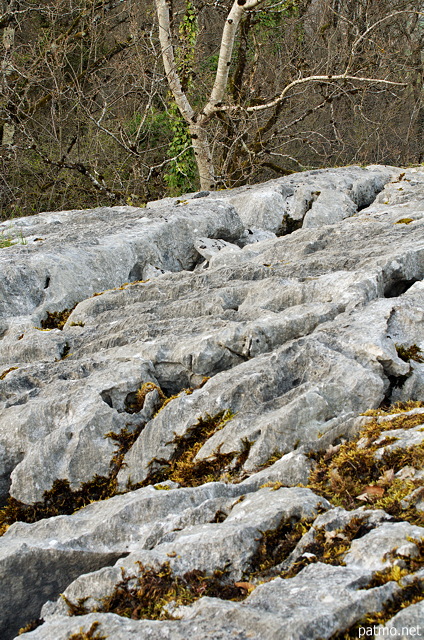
181	390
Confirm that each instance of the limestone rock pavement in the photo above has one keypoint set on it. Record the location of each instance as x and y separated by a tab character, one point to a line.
273	315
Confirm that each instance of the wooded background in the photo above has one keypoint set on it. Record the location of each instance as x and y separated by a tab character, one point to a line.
87	116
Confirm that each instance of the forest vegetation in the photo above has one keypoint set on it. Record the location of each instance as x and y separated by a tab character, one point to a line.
102	101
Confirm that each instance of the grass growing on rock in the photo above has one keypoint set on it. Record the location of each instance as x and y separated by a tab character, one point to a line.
147	595
350	475
5	242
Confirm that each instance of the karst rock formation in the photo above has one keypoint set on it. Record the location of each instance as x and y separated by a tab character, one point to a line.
183	446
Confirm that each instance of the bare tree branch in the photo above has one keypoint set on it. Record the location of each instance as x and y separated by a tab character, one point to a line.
299	81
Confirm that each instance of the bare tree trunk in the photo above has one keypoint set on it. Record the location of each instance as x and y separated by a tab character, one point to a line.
197	122
203	156
8	40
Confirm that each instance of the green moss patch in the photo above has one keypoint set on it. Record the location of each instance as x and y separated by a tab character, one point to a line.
91	634
146	596
182	467
276	545
59	500
56	319
409	353
5	242
350	476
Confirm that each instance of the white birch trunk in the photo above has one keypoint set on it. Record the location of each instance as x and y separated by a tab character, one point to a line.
197	122
203	156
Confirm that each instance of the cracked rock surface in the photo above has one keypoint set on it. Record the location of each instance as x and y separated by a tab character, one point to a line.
225	338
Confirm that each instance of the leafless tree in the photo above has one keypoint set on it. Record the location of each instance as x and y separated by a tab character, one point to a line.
102	100
217	102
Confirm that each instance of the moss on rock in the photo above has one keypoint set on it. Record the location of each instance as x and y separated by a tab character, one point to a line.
147	595
350	475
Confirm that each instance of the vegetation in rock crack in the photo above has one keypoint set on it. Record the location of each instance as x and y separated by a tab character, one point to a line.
34	624
91	634
187	391
59	500
329	547
351	475
405	221
4	374
182	466
146	595
56	319
410	353
275	545
135	402
289	224
407	565
62	500
411	591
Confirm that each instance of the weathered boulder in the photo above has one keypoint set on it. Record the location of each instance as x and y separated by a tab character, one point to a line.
229	546
37	561
312	198
303	607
